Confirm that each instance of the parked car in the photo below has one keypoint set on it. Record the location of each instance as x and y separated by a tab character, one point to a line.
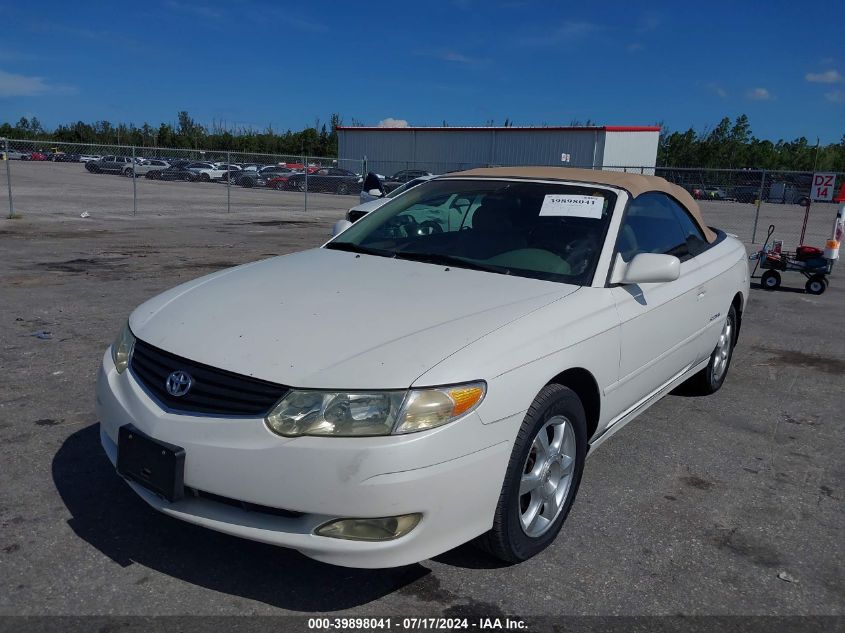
38	156
278	182
405	175
329	179
714	193
176	171
87	158
493	344
15	155
206	172
148	167
66	157
372	202
252	178
110	164
745	193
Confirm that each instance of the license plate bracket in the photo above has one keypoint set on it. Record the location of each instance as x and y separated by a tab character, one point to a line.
155	465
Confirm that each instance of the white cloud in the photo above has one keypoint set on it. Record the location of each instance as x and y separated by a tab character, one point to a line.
13	85
567	32
836	96
759	94
717	90
391	122
198	9
453	56
827	77
649	22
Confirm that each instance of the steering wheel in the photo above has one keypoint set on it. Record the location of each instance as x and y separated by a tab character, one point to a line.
429	227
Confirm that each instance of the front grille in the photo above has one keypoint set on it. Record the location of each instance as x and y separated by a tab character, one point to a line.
213	391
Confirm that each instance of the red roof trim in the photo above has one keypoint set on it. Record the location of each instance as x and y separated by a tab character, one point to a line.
605	128
632	128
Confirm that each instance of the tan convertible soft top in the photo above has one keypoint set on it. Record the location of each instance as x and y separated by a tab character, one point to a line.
634	184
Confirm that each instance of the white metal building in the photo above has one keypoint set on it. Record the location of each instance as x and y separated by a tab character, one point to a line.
442	149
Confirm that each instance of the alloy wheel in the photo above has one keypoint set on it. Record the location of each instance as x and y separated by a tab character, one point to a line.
722	354
546	476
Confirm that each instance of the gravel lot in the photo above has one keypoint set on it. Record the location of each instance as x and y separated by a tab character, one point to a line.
695	508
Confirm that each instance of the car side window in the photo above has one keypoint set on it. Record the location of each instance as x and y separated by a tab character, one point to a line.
651	226
696	243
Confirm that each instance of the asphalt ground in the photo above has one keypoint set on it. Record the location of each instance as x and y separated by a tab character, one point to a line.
725	505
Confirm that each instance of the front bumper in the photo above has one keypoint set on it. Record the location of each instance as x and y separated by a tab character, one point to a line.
452	475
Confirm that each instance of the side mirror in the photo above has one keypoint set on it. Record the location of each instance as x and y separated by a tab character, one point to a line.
340	226
646	268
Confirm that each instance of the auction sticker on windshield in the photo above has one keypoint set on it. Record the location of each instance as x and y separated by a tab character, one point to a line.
573	206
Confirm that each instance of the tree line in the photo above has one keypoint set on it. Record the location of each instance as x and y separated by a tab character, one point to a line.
317	140
731	145
728	145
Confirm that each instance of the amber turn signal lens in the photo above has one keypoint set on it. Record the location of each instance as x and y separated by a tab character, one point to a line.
465	398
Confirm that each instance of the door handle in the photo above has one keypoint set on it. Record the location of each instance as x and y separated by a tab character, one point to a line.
701	293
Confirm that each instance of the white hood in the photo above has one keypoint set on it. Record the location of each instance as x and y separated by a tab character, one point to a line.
332	319
370	205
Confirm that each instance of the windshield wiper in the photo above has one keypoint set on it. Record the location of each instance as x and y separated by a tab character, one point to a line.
356	248
451	260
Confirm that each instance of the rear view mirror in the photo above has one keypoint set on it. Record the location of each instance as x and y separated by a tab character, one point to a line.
340	226
646	268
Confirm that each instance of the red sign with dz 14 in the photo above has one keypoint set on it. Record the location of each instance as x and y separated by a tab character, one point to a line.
823	186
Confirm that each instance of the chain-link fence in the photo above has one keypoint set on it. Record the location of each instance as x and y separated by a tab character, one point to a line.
50	177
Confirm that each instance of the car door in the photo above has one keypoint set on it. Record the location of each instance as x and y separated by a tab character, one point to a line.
660	322
717	284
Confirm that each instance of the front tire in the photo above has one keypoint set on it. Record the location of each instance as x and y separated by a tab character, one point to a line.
710	379
342	189
543	476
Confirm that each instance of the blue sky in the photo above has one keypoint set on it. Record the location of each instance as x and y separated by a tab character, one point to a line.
536	62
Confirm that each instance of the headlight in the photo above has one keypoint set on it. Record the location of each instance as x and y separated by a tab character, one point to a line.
359	413
121	349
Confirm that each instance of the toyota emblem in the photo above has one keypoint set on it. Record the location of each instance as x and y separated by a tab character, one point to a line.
179	383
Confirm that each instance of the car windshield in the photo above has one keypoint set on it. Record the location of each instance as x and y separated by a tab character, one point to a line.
529	229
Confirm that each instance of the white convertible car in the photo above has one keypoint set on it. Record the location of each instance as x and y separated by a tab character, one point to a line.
506	322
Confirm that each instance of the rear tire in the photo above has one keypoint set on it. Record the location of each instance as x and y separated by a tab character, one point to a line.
770	280
247	182
710	379
204	178
342	189
816	285
542	479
